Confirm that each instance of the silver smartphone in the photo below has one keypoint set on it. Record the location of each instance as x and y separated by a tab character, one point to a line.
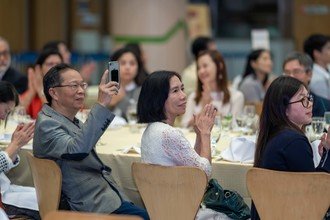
113	67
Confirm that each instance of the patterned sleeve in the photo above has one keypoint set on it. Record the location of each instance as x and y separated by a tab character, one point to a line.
178	148
6	163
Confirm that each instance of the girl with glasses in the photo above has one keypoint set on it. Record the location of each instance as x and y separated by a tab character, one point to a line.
282	144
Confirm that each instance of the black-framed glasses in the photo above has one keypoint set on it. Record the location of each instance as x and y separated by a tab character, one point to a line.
294	72
305	101
74	87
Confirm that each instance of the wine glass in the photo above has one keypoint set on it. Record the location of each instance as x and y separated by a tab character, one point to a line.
215	133
131	114
327	119
226	122
249	111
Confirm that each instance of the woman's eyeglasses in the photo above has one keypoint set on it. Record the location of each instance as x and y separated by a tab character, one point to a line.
305	101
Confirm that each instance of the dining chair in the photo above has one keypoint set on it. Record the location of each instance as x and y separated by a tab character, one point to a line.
289	195
170	192
47	179
70	215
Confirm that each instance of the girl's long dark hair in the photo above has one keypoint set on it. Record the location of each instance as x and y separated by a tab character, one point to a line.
273	118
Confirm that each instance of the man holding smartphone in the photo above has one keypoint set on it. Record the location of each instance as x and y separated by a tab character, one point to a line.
87	184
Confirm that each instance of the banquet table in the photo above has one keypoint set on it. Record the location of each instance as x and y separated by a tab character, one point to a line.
231	175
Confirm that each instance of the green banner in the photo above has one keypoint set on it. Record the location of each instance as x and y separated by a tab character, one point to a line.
153	39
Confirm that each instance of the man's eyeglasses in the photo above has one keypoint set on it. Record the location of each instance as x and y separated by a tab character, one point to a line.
4	53
305	101
75	87
294	72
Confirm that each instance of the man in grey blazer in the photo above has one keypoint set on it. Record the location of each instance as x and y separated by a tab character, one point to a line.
87	184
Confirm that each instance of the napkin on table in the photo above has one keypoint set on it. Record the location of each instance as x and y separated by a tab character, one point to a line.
241	149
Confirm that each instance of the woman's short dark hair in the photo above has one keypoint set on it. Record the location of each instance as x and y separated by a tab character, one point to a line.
53	78
45	54
153	95
8	93
273	117
140	76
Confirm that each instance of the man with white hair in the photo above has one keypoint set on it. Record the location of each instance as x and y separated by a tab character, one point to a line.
8	73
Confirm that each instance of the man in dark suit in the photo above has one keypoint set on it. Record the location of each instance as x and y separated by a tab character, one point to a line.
87	183
7	73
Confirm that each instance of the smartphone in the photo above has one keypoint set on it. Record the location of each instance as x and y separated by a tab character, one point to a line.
113	67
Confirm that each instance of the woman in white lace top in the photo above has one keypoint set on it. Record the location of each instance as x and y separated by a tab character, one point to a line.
161	100
23	133
16	199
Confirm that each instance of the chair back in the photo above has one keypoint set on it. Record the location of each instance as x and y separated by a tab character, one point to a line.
70	215
47	179
289	195
170	192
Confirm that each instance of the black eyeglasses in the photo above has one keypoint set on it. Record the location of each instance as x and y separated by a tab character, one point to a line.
305	101
74	87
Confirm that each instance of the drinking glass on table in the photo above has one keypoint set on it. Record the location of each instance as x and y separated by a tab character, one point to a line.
131	115
249	111
226	122
327	119
215	134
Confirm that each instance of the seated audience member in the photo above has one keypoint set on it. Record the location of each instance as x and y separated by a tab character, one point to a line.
317	46
281	143
87	184
256	76
161	100
131	79
87	68
9	159
212	88
34	97
136	48
299	66
8	73
189	74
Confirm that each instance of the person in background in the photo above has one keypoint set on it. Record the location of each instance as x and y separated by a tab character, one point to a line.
8	73
131	79
135	47
34	97
256	77
87	182
317	46
299	66
87	69
212	87
281	143
189	74
9	159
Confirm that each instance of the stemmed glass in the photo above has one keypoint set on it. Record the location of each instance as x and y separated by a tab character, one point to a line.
215	134
327	119
249	111
131	115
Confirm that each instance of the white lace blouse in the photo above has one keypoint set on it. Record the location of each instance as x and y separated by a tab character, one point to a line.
6	163
165	145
